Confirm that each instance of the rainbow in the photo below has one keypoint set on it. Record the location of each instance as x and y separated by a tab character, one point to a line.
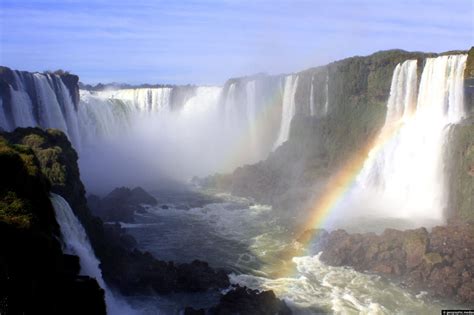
336	189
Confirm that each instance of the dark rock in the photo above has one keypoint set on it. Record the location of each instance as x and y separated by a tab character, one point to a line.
415	244
35	276
121	204
241	300
192	311
441	262
31	173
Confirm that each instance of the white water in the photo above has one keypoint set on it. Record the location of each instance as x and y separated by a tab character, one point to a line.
70	114
252	117
3	119
231	127
317	287
23	110
144	99
76	242
230	108
49	108
319	108
288	109
249	239
312	110
407	172
326	102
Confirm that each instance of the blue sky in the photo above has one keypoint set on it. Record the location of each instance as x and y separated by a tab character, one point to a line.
206	42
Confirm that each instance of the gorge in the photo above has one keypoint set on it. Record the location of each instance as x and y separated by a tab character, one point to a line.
255	179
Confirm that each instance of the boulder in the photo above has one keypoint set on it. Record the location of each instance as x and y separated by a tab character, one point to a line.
241	300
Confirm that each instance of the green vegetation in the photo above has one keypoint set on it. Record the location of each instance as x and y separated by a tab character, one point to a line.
15	210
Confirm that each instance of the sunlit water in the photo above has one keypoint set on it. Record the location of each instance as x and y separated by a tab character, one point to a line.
248	239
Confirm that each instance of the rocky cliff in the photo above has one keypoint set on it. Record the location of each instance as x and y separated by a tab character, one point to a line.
460	154
357	92
123	266
440	261
35	275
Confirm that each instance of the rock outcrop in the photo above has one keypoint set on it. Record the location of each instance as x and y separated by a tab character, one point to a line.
460	155
122	265
36	277
358	89
121	204
440	262
241	300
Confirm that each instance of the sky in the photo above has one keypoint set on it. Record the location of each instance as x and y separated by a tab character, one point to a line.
206	42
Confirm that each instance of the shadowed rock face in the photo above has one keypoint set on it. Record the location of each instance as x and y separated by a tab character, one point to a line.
121	204
36	277
357	89
124	267
440	261
241	300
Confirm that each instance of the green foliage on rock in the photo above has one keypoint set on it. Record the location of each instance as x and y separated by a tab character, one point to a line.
15	210
21	186
35	275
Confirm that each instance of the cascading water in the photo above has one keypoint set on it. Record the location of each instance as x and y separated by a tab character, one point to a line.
75	241
326	101
23	109
252	116
50	114
288	109
3	119
144	99
408	170
312	110
319	105
239	124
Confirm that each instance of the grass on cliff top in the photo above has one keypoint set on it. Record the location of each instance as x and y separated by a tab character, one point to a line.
15	210
17	160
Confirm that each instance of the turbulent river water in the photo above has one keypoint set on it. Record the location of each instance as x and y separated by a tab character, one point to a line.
247	239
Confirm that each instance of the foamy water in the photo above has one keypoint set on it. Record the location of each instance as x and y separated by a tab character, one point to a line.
248	239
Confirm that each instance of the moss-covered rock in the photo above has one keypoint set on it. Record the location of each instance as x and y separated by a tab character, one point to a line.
35	276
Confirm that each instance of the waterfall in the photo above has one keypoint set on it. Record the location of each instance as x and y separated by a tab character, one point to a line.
41	100
205	101
3	119
288	109
76	242
23	110
230	109
319	107
70	114
326	102
408	169
311	98
51	115
144	99
251	101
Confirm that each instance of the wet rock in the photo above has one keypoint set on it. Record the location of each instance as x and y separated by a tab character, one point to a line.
242	300
415	243
121	204
440	261
192	311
